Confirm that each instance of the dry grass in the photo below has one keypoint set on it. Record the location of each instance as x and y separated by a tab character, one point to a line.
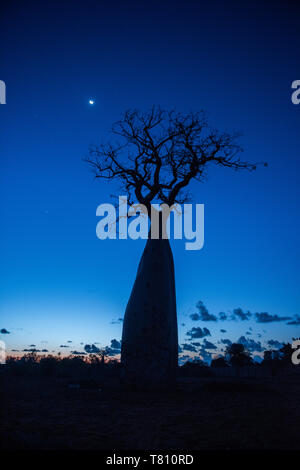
201	414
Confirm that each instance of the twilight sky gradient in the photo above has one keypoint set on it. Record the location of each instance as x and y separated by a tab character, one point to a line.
58	282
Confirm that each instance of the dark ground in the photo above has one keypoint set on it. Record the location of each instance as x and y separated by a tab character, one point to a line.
44	413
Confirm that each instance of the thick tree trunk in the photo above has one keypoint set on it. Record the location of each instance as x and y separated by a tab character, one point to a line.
149	353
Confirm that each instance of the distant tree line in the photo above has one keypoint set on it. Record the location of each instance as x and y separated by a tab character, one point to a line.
31	364
236	355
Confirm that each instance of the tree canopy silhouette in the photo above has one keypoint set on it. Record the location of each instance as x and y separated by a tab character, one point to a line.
238	355
158	153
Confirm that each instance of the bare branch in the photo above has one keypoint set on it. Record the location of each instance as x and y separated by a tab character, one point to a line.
161	152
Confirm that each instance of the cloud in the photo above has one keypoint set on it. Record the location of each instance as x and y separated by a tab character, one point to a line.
195	316
69	341
197	332
265	317
33	350
64	346
188	347
114	348
118	321
111	352
196	359
91	349
114	344
203	353
78	353
205	356
203	314
250	344
45	350
208	345
223	331
226	341
274	343
32	345
239	314
222	316
4	331
296	321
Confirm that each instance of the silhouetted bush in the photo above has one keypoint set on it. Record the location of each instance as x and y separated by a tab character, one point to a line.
48	366
54	366
27	365
219	362
195	369
238	355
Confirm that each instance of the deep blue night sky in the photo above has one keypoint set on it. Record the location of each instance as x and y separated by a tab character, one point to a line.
58	282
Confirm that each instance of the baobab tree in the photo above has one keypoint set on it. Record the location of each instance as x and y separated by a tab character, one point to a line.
155	156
